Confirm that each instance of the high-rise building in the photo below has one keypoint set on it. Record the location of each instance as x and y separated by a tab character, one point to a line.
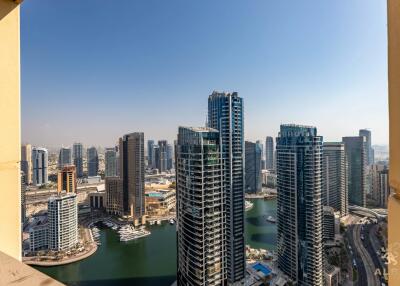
114	196
63	222
64	157
26	162
334	177
23	195
253	153
380	184
131	149
77	150
40	161
92	162
110	162
150	153
369	151
356	156
170	156
269	153
161	156
200	205
328	223
225	113
299	209
66	179
156	156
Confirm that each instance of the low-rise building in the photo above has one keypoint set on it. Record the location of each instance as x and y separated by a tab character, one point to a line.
160	202
331	275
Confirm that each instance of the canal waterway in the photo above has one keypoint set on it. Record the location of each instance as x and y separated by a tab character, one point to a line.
151	261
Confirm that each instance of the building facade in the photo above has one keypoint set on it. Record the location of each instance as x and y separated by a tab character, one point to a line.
253	152
114	196
269	153
225	114
299	209
92	162
40	161
328	224
62	221
110	162
64	157
131	151
368	148
161	156
334	177
77	153
200	208
66	179
26	162
150	153
356	156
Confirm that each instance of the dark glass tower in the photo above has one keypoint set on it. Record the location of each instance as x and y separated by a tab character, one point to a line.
131	148
199	205
299	178
253	167
356	155
225	113
92	161
269	153
77	154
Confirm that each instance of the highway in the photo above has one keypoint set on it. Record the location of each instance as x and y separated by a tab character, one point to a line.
356	255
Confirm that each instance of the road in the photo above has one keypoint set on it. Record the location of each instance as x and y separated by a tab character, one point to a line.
365	253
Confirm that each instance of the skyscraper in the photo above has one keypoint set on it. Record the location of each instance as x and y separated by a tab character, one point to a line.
334	183
40	161
269	153
253	167
66	179
161	156
131	148
77	150
62	222
110	162
299	209
92	162
380	184
26	162
23	196
150	152
114	196
64	157
225	113
200	205
369	151
356	155
170	155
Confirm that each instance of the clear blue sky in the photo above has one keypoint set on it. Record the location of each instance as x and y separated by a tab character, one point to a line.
93	70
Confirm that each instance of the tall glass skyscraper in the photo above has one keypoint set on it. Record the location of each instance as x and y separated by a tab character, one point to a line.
368	148
92	162
253	167
131	150
200	205
161	156
356	154
40	161
334	183
110	158
225	113
150	152
77	150
269	153
64	157
299	177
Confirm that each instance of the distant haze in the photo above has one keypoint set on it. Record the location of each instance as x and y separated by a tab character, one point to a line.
97	70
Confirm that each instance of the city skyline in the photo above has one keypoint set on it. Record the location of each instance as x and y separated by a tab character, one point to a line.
170	63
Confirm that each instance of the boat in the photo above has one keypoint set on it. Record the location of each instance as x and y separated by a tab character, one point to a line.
171	221
271	219
159	222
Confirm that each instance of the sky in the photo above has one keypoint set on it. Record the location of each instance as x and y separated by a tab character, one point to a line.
94	70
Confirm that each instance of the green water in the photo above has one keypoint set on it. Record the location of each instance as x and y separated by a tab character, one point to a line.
151	261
